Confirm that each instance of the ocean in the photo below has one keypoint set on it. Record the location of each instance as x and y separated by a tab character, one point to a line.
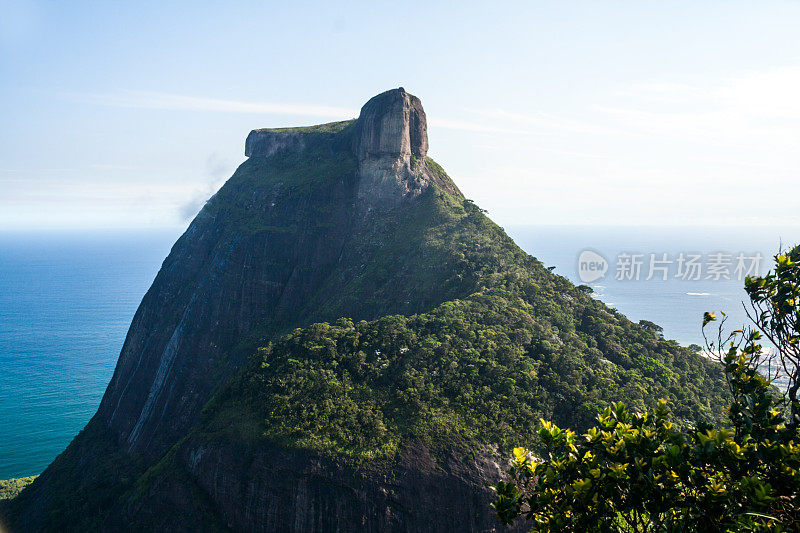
67	299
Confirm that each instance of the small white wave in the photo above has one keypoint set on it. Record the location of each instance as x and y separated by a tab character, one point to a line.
698	293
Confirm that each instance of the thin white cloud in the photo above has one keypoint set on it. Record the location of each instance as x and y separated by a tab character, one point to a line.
217	171
661	92
542	123
749	108
177	102
692	129
746	107
472	126
98	190
103	166
750	165
525	145
657	152
767	93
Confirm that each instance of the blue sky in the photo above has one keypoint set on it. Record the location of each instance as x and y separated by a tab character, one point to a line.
132	114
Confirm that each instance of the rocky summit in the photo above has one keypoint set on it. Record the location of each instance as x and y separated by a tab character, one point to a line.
340	341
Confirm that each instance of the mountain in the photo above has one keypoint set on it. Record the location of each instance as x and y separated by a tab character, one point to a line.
341	341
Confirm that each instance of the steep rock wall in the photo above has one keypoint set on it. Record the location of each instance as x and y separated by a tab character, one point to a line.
273	489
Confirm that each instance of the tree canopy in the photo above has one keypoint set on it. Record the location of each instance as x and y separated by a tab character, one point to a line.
641	471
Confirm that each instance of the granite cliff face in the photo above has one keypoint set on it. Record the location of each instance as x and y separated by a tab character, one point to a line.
391	145
264	143
392	124
348	219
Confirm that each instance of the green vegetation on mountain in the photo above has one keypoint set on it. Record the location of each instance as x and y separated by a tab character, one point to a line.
9	488
289	175
329	127
481	369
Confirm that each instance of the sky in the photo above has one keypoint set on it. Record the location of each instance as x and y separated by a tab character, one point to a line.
130	115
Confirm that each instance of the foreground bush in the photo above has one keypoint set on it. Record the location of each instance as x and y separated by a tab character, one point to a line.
642	472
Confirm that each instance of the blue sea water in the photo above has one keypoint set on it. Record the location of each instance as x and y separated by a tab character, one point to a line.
66	301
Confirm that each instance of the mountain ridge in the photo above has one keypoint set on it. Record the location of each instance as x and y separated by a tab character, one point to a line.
348	219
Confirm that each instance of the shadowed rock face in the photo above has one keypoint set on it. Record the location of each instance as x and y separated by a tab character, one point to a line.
225	286
218	286
274	489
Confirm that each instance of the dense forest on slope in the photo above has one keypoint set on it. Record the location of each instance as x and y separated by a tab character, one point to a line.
483	368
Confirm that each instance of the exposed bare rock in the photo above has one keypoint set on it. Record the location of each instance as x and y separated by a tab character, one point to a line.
392	124
265	143
391	144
